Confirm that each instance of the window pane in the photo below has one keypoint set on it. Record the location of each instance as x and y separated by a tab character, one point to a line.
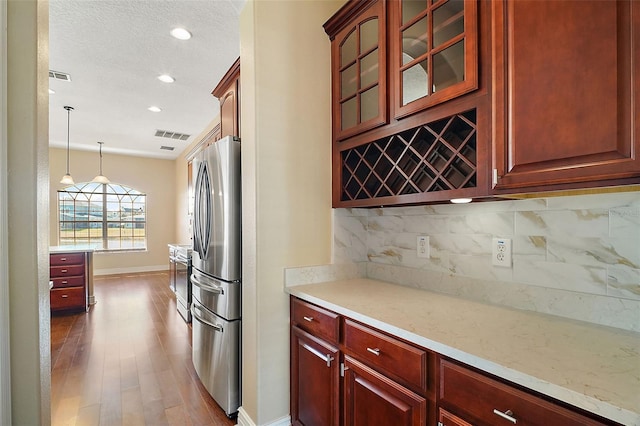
414	41
348	50
448	21
368	35
349	113
369	69
348	82
411	9
369	104
414	83
448	66
84	221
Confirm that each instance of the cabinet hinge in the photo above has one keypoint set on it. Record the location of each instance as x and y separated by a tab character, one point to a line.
342	369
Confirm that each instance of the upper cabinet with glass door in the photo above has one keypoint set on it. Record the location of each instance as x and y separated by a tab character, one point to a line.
434	52
358	50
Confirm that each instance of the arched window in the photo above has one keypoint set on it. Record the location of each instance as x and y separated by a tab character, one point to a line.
104	216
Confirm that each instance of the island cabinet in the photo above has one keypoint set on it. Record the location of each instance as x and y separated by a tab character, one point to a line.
410	105
566	79
69	274
344	372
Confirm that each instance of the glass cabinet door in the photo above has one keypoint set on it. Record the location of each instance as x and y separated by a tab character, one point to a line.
359	74
434	52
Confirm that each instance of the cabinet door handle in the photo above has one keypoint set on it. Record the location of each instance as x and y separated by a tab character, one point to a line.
375	351
63	259
64	296
310	319
506	415
63	270
63	282
328	358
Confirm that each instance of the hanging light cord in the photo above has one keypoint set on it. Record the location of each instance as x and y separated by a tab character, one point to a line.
68	117
100	157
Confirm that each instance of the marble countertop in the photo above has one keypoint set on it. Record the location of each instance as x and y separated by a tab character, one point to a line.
592	367
71	249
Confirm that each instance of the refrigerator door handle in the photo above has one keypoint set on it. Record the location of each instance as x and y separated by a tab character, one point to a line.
210	288
203	321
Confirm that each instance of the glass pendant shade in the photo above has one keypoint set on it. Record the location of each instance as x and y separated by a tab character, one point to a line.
67	179
100	178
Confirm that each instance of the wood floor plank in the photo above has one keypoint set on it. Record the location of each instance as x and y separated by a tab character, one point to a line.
127	361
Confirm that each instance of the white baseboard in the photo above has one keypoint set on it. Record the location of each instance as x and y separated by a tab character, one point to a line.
130	270
245	420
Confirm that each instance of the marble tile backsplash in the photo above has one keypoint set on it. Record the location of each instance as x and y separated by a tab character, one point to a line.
577	256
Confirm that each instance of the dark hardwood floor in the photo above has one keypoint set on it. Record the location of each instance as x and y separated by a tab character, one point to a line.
127	361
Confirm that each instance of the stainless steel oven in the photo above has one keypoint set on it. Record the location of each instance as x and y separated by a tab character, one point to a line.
180	272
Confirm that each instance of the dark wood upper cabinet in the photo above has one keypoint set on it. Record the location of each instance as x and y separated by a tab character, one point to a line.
566	98
434	52
359	67
409	106
228	93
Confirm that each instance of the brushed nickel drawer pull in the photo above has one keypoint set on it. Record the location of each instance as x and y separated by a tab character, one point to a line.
506	415
63	259
310	319
375	351
64	282
64	296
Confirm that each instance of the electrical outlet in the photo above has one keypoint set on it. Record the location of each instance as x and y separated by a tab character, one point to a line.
422	246
501	252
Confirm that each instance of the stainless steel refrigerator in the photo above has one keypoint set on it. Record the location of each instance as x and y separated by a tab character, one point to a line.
216	271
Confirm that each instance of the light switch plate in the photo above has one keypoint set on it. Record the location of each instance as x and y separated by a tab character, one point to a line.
501	252
422	247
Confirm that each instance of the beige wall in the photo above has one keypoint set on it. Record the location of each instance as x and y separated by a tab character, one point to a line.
27	208
183	219
286	147
154	177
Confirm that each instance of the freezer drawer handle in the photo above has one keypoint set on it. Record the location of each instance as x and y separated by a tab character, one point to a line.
206	287
506	415
202	320
328	358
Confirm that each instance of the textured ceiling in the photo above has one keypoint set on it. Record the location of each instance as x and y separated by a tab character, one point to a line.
114	51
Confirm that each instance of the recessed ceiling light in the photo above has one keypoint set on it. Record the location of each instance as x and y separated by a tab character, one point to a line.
154	109
181	33
461	200
166	78
52	92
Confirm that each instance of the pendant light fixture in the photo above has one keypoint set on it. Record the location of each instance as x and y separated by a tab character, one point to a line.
100	178
67	179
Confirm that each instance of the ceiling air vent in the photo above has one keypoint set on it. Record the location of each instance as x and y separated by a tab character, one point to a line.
167	148
59	75
172	135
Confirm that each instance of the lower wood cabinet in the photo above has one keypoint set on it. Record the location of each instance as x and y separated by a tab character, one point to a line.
371	398
482	400
315	380
346	373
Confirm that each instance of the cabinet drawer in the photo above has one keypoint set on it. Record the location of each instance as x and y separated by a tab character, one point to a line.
66	271
315	320
68	298
482	400
66	259
401	361
76	281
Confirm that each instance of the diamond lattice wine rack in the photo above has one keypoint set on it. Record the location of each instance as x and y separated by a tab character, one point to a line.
437	156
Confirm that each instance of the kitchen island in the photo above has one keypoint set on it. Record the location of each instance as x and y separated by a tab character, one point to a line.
591	367
71	272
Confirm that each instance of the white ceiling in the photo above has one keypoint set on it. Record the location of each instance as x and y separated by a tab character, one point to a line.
115	49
